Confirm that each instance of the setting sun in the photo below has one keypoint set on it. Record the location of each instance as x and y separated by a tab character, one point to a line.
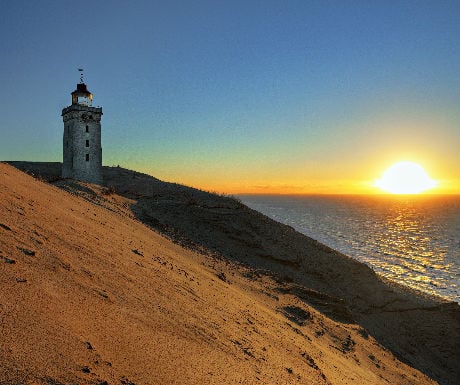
405	178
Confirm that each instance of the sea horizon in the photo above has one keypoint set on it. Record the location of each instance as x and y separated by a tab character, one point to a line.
389	195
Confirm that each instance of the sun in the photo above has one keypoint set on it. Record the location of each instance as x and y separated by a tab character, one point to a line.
405	178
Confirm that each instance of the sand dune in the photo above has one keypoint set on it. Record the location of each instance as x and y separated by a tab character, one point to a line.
156	283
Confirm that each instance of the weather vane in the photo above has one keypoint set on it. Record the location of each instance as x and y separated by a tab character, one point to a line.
81	74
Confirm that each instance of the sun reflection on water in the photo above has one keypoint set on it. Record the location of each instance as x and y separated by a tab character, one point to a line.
413	240
407	244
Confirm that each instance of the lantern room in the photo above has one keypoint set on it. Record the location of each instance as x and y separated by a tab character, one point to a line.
82	96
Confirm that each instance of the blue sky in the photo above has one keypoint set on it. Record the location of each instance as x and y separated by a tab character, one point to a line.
241	96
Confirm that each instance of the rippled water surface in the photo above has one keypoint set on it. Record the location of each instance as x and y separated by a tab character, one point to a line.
414	240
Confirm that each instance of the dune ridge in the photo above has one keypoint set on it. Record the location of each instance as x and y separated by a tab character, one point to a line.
147	282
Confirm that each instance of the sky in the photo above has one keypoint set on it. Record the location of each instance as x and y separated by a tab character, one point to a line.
241	96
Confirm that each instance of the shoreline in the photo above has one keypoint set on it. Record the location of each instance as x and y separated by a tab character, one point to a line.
412	268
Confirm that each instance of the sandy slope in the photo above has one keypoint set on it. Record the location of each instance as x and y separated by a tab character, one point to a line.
89	294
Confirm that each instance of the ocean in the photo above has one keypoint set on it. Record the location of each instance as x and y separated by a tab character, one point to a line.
413	240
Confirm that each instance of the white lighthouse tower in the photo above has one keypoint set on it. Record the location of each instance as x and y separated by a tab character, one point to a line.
82	137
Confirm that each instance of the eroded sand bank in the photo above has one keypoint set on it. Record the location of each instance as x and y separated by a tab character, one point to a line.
155	283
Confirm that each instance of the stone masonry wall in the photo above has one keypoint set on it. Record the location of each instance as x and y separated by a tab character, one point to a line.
82	139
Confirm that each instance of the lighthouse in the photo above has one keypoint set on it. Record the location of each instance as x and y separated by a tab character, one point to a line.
82	150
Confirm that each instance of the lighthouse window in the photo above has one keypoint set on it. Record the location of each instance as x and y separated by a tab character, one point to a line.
87	157
87	143
87	128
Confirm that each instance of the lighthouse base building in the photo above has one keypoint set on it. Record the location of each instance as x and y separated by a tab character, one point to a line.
82	150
